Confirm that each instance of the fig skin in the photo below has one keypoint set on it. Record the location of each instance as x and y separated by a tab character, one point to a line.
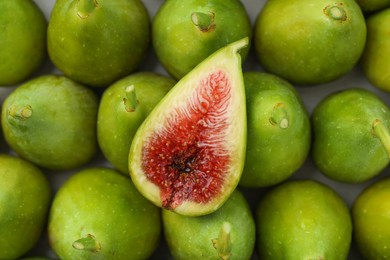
51	121
371	220
303	219
309	43
23	40
119	118
180	44
350	130
370	6
25	196
279	131
377	50
102	204
98	42
188	154
192	237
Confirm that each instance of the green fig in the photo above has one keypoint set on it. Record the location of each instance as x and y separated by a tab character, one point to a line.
98	214
309	42
184	33
370	214
188	154
97	42
228	233
351	135
303	219
377	50
123	107
25	196
279	133
23	40
51	121
370	6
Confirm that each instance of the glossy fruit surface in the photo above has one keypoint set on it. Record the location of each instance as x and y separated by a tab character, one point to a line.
123	107
377	50
303	219
51	121
308	43
98	214
371	220
279	132
97	42
25	195
351	136
188	154
184	33
23	40
228	233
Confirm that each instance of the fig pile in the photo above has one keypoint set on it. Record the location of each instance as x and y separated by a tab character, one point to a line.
197	129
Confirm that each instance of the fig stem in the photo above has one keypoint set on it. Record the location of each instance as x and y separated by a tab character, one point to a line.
204	21
86	7
223	243
381	131
130	100
22	113
279	116
87	243
336	12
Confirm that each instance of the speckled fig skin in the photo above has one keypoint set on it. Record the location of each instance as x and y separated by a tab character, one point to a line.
351	135
25	196
122	110
228	233
186	32
377	50
371	220
97	42
51	121
309	43
23	41
98	214
303	219
279	131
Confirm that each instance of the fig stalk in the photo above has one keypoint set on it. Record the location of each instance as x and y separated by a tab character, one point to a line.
223	243
22	113
336	12
130	100
279	116
87	243
381	131
86	7
204	21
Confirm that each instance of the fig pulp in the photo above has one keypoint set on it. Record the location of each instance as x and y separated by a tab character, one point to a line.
188	154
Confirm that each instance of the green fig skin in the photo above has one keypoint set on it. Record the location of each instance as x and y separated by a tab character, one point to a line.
23	40
51	121
98	42
196	237
348	146
371	220
377	50
25	196
279	132
181	38
119	116
98	214
303	219
370	6
309	43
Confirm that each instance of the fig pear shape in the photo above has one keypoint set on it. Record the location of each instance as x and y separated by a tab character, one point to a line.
188	154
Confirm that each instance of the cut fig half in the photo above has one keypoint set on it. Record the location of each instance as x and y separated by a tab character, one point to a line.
188	154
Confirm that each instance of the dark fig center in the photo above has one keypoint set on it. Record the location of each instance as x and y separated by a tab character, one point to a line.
188	156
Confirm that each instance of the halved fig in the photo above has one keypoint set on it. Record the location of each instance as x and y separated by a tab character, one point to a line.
188	154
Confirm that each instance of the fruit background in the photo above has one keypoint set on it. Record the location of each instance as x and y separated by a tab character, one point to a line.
311	95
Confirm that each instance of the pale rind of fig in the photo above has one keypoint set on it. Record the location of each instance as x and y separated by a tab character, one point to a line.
188	154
